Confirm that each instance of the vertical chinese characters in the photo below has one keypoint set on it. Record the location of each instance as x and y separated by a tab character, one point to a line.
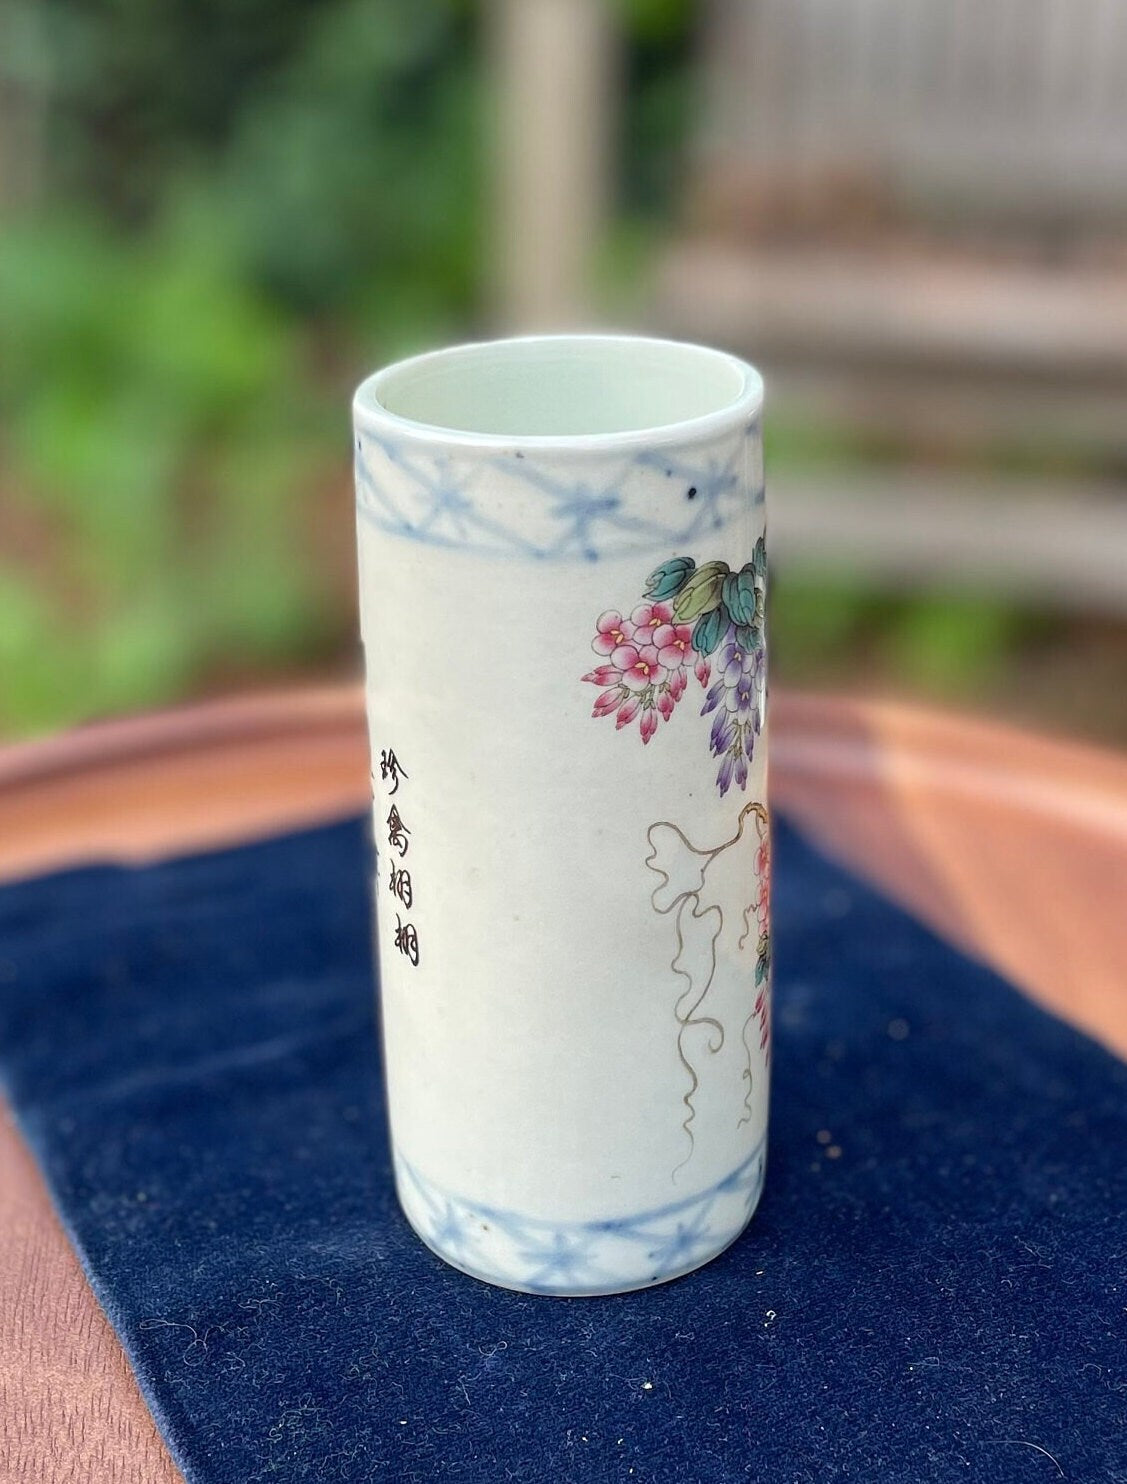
399	840
407	940
390	768
397	831
400	885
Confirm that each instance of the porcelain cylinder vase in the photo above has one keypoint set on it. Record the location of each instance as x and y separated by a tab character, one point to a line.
562	583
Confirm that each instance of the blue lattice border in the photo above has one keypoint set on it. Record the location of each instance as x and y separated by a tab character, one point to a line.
582	1257
515	506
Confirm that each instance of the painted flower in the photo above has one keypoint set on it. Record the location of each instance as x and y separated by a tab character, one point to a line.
674	644
717	631
640	667
763	1016
724	773
724	732
734	662
741	698
627	712
611	630
736	695
762	907
647	618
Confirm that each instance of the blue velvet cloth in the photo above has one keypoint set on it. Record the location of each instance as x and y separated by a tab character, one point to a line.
934	1288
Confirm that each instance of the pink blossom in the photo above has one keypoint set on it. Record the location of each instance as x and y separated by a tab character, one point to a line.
648	724
666	703
647	618
612	630
627	712
762	1015
643	670
677	683
606	703
674	643
603	675
703	670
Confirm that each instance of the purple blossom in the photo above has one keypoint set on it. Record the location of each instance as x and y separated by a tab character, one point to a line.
714	697
742	696
723	733
643	668
724	775
739	685
734	662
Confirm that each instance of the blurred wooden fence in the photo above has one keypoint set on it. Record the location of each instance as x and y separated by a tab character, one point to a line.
990	107
553	66
913	215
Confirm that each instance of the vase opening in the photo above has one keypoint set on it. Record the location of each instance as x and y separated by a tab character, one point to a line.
563	387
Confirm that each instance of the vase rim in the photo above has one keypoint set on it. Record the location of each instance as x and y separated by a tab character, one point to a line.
664	392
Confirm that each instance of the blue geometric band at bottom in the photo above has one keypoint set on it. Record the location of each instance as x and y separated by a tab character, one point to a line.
577	1258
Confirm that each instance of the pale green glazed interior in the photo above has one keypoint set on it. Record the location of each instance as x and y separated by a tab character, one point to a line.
562	386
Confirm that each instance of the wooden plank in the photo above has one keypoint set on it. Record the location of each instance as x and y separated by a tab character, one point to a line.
1050	545
1018	108
553	65
903	306
70	1410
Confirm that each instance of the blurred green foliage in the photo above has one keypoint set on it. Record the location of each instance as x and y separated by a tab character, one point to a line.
216	215
827	629
158	442
238	206
830	629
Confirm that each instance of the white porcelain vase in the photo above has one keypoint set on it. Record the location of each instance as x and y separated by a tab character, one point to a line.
562	583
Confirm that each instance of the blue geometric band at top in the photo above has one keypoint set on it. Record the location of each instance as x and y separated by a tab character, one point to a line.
542	1255
526	511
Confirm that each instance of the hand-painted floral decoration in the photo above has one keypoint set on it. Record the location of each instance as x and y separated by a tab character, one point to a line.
708	619
761	1013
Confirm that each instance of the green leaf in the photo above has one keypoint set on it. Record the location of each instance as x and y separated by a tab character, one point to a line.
697	598
668	579
701	592
739	595
710	629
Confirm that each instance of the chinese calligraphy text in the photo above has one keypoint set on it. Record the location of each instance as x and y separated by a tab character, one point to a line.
399	881
390	768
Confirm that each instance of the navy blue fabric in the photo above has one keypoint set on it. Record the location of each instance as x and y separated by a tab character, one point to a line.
934	1289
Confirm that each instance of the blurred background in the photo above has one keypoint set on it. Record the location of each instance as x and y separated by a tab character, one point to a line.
217	215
